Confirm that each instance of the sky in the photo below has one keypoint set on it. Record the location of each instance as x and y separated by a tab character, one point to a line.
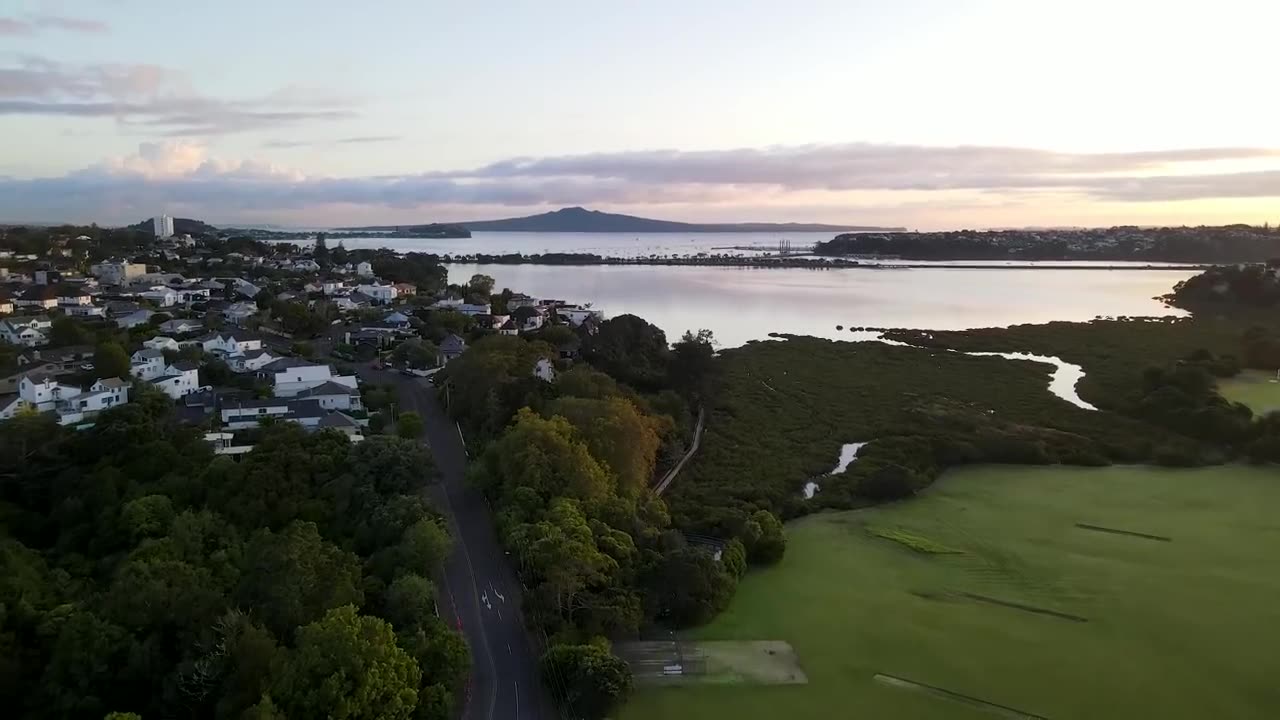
929	114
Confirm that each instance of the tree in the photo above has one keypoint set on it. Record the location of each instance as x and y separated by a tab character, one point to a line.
147	516
618	435
692	363
67	331
770	543
631	350
481	285
689	587
294	576
416	353
409	425
409	600
423	546
545	456
346	666
588	680
320	252
560	552
110	360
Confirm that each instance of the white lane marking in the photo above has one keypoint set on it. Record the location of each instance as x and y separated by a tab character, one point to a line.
497	594
484	597
516	685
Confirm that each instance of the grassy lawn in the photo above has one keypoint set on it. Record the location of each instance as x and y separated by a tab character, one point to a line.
1254	388
1188	628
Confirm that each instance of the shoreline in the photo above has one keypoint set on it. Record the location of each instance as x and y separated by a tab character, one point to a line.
762	263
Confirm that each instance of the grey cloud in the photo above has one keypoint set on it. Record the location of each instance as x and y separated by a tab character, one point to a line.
151	96
31	24
358	140
666	177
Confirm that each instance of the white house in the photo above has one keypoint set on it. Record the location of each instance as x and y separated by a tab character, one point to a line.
229	343
180	326
147	364
473	308
306	265
379	294
85	311
508	325
162	296
238	313
519	300
180	378
134	319
333	396
290	376
104	394
71	296
544	370
242	414
576	314
38	296
450	349
160	342
26	331
250	361
364	269
6	305
43	392
116	272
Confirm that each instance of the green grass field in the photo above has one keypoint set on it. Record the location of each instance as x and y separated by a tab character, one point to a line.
1254	388
1188	628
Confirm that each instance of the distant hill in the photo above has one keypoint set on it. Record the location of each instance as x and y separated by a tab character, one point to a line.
576	219
181	226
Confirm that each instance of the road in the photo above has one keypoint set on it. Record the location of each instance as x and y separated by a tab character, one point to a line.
479	587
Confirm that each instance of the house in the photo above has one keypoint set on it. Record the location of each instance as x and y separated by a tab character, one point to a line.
364	269
306	265
103	394
46	277
544	370
25	331
9	385
238	313
229	343
147	364
180	326
134	319
378	294
406	289
290	376
520	300
6	304
37	296
65	360
528	318
473	309
333	396
115	272
250	361
451	348
43	392
160	342
179	379
509	327
245	414
72	295
162	296
243	287
398	320
576	314
85	311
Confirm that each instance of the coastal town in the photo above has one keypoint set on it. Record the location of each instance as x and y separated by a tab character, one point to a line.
238	333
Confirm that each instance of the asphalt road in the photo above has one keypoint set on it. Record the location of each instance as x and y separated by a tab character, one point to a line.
479	588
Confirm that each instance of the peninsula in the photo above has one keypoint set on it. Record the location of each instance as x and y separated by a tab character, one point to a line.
577	219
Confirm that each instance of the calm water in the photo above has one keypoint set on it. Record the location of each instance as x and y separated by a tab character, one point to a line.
746	304
607	244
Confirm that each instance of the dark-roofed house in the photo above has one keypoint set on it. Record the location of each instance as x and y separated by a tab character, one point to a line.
333	396
451	348
41	296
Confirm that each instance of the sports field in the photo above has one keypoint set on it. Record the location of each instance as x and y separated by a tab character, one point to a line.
1255	388
988	590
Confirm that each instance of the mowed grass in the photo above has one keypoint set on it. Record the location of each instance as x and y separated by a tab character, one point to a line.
1255	388
1183	629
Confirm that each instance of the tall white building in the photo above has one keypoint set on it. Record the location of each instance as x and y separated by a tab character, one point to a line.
163	226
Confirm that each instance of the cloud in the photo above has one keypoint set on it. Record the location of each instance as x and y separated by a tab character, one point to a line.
182	174
31	24
154	97
358	140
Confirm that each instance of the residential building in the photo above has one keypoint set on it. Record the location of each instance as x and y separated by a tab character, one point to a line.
333	396
508	326
26	331
162	296
406	289
179	379
116	272
163	226
147	364
37	296
73	295
450	348
245	414
6	304
250	361
85	311
237	313
160	342
364	269
576	314
290	376
544	370
134	319
473	308
102	395
519	300
378	294
46	277
43	393
229	343
180	326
